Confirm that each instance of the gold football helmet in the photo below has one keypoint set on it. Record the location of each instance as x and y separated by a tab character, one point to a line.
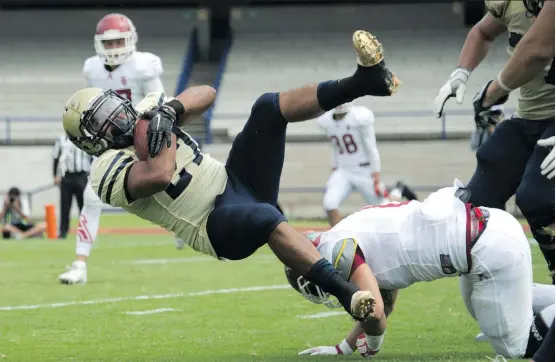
96	120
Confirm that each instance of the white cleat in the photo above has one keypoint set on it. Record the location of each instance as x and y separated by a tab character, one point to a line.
481	337
76	274
362	304
180	244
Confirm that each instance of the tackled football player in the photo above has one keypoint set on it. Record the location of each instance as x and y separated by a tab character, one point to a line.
384	248
512	159
227	211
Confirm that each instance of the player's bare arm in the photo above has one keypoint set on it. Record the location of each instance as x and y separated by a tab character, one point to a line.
149	177
533	53
364	278
195	101
389	299
479	40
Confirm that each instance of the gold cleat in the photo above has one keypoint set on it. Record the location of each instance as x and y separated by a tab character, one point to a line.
362	305
369	49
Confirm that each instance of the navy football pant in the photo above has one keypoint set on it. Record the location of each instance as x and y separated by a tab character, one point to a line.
245	214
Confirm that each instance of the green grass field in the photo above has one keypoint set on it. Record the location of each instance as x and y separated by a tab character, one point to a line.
212	312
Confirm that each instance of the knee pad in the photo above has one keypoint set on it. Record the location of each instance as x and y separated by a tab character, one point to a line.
539	330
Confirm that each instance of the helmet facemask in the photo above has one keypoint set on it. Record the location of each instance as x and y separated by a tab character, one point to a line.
116	55
107	124
309	290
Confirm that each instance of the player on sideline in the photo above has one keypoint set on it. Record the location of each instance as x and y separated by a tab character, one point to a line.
509	161
130	73
226	211
355	159
390	247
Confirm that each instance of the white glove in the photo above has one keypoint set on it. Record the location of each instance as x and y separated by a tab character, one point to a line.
547	166
363	347
339	349
455	86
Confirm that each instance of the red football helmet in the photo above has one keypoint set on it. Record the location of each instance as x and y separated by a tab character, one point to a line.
115	39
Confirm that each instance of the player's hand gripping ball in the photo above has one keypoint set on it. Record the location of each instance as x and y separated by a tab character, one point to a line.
160	122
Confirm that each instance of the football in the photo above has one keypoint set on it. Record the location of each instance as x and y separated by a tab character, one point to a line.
140	139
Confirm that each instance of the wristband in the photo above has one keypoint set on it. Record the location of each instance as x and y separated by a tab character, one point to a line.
502	85
344	348
177	107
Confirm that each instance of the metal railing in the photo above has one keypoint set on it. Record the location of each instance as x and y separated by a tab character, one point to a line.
7	123
29	193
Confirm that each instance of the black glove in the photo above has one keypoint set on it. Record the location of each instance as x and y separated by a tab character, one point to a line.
159	132
486	116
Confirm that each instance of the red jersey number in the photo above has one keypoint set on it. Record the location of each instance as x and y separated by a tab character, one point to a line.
346	144
126	93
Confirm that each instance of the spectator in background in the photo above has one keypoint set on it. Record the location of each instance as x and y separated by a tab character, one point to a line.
71	170
15	222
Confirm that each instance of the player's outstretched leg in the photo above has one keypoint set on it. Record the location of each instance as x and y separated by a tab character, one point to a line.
307	102
87	231
372	78
256	159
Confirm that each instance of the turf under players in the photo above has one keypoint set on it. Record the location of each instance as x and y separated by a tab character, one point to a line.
226	211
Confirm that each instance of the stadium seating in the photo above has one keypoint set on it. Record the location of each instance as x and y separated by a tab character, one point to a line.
422	56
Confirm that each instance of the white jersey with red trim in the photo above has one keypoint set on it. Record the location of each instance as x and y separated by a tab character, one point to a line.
352	138
403	243
133	79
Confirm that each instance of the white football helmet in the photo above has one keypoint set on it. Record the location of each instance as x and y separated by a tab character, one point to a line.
114	27
310	291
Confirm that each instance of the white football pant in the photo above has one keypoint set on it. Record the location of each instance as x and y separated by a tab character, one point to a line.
497	292
342	182
89	221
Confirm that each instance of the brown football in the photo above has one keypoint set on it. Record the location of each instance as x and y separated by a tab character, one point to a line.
140	139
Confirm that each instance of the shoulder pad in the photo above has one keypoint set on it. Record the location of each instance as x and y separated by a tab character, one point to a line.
497	7
364	116
150	101
149	65
90	64
323	119
102	163
343	256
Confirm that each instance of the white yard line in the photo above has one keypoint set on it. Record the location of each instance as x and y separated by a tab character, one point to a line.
144	297
152	311
321	315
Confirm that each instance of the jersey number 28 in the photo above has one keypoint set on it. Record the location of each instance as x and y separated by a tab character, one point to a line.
346	144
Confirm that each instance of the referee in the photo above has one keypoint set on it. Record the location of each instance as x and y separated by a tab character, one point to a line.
71	169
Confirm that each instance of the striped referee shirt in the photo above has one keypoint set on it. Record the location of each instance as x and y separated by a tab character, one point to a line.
68	158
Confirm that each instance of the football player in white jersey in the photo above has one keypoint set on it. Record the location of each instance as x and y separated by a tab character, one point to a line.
355	159
390	247
130	73
226	210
